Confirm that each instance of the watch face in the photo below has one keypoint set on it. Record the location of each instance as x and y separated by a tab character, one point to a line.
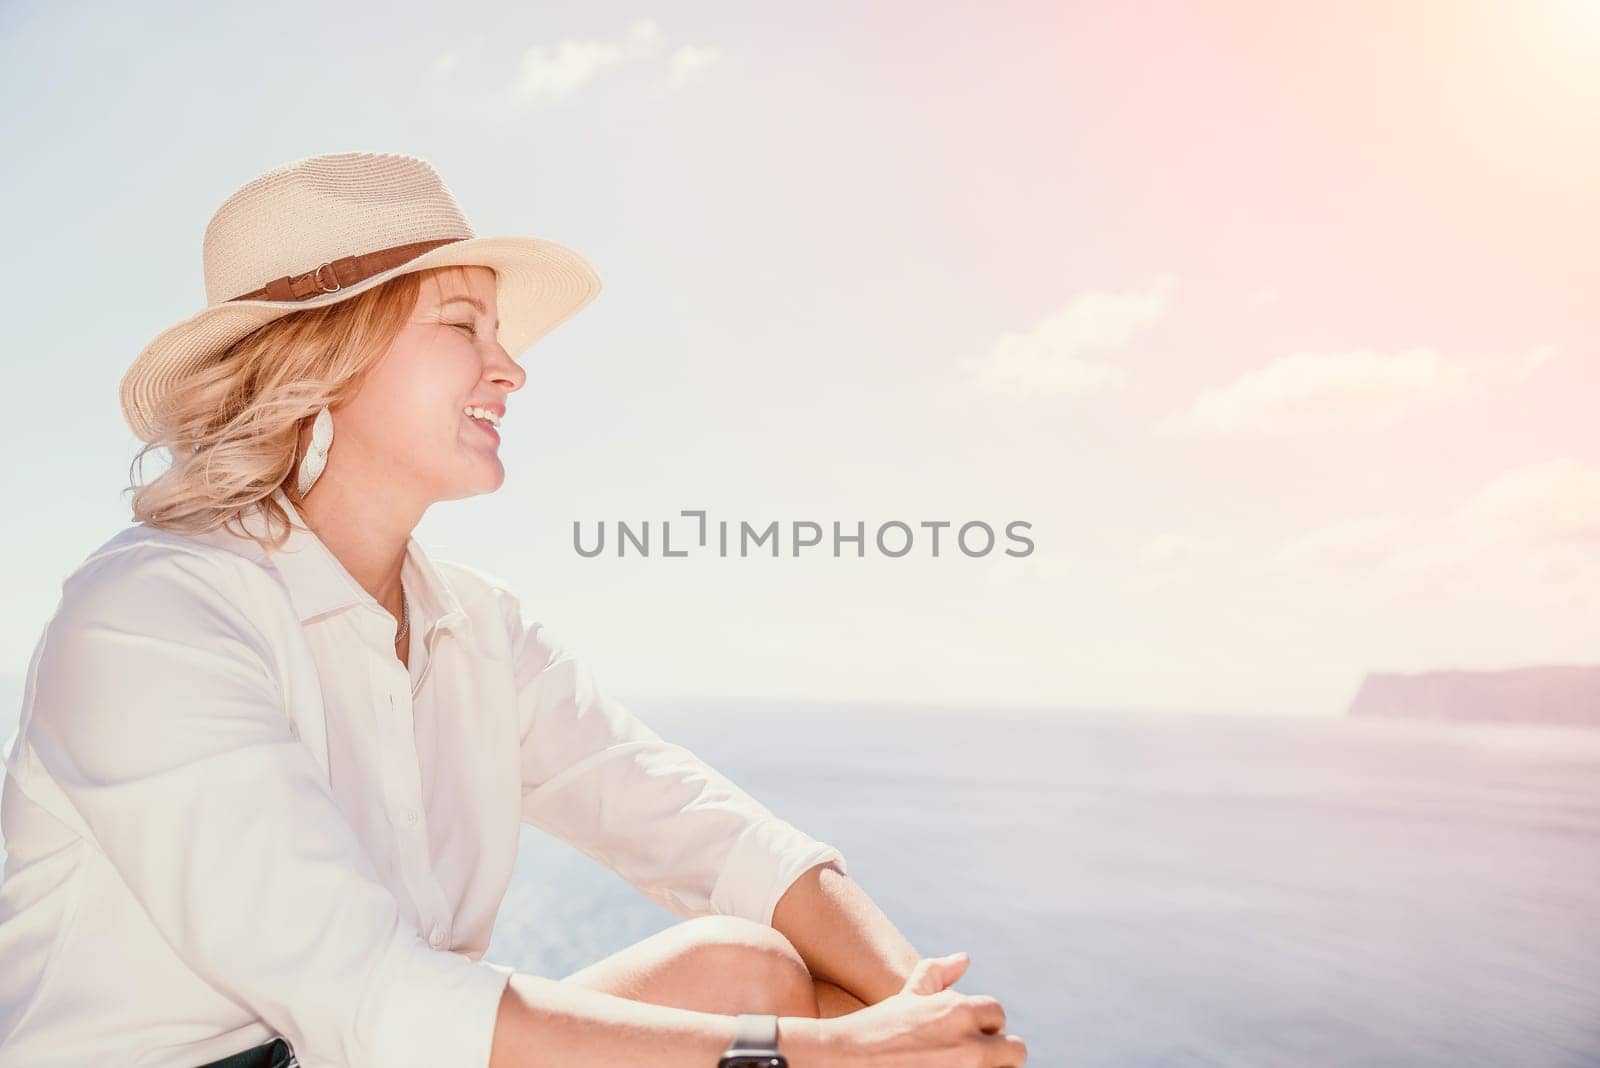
753	1060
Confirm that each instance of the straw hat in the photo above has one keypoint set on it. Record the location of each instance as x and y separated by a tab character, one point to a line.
326	228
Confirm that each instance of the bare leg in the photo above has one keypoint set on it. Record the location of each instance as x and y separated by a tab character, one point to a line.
720	964
834	1000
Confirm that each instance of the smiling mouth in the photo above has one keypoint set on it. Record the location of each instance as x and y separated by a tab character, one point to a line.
482	425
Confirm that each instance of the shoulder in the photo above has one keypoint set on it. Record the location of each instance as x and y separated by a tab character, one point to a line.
491	602
142	553
494	612
469	583
484	595
152	574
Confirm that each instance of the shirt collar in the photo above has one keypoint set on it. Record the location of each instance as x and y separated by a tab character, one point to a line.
319	584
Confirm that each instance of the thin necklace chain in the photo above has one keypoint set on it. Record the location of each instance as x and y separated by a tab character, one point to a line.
405	613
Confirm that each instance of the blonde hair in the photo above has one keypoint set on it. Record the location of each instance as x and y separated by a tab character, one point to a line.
233	426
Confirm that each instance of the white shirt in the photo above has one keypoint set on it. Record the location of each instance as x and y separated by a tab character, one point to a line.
232	812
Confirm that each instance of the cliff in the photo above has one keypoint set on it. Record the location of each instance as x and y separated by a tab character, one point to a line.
1557	694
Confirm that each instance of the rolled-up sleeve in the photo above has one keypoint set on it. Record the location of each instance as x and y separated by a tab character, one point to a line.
600	779
157	714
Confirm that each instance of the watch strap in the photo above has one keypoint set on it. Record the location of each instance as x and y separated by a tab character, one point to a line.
755	1033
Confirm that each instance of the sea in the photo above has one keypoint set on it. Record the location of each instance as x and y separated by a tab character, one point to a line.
1169	888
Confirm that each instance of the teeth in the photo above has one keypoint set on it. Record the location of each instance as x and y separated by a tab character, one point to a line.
483	414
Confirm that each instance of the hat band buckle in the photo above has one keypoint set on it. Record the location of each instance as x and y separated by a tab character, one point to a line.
316	278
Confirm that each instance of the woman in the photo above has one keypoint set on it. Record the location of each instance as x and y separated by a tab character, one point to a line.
265	795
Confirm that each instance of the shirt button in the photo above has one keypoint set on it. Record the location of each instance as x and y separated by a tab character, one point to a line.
411	815
436	937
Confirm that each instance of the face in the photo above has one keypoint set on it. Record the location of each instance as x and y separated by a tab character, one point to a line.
407	432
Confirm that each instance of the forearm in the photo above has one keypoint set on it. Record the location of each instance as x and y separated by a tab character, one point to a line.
545	1023
843	936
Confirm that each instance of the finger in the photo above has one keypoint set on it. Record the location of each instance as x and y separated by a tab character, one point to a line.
925	977
1004	1051
988	1013
951	966
933	974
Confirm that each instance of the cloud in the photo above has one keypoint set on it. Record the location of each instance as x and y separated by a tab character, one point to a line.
1556	503
1064	351
1316	391
687	62
1532	531
554	74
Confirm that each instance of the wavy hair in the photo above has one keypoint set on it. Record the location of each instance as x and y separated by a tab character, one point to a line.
232	427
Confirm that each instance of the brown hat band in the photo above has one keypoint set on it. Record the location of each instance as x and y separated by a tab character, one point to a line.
334	275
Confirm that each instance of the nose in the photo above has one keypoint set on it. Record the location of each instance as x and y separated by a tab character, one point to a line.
503	369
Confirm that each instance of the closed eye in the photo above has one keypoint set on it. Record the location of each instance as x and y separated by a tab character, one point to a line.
470	327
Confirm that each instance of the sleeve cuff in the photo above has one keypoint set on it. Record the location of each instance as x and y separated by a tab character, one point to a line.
763	864
441	1009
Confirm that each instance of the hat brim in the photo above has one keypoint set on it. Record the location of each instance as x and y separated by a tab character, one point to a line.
541	285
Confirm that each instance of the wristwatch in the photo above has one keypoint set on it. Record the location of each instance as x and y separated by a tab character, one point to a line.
755	1044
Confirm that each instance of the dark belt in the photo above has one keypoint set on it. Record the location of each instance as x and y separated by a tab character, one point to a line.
275	1054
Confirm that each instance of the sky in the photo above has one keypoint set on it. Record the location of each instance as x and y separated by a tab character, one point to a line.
1276	324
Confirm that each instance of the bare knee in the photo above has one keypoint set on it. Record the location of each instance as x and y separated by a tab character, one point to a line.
758	969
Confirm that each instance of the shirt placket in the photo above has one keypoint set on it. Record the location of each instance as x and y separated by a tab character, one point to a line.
402	781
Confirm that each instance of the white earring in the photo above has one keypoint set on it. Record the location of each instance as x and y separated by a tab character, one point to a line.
317	454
